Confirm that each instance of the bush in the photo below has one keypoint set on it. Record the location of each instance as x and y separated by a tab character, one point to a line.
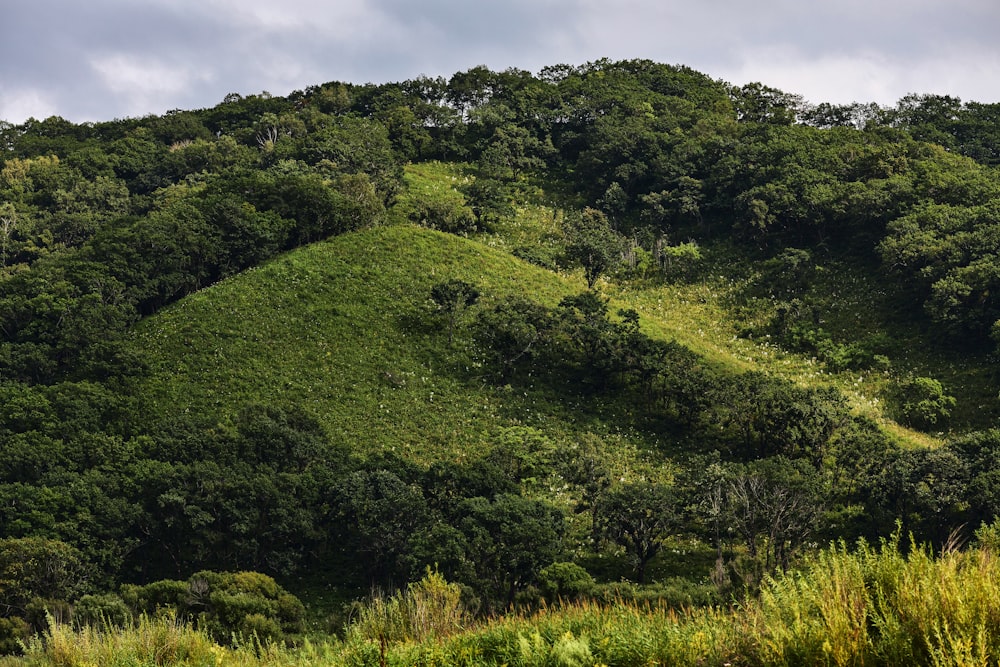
40	613
36	567
921	403
13	631
988	537
101	611
679	261
228	605
565	581
445	214
790	271
245	603
151	598
429	608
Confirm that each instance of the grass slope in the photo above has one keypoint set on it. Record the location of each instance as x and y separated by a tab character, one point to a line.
342	329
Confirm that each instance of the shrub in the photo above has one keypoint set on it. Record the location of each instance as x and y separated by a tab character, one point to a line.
102	611
789	271
228	605
679	261
151	598
244	603
565	581
922	403
36	567
41	612
13	631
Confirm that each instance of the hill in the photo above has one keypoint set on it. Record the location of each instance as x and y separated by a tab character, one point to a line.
616	332
344	330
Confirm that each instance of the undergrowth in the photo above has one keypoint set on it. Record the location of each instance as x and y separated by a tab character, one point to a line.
885	605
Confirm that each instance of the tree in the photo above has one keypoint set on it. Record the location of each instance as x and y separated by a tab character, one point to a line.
352	146
922	403
931	118
774	416
592	244
637	517
451	298
512	152
925	489
512	335
489	198
510	539
587	337
8	222
773	505
757	103
947	255
380	514
36	567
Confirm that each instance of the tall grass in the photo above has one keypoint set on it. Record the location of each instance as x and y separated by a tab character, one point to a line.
340	329
867	606
159	642
429	608
881	607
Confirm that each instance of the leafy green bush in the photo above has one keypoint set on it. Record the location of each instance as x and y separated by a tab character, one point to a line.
246	604
790	271
13	631
106	610
922	403
39	568
565	581
679	261
151	598
446	215
228	605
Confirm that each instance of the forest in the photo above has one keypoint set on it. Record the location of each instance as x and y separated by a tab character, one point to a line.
617	338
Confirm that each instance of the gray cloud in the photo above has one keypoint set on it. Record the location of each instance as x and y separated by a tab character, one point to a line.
113	58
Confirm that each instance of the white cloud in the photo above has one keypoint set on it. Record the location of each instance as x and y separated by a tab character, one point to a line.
19	105
144	84
343	19
109	58
870	76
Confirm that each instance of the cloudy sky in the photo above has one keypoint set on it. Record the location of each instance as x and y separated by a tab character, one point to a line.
105	59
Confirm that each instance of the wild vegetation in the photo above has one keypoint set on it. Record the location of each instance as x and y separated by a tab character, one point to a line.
614	350
873	606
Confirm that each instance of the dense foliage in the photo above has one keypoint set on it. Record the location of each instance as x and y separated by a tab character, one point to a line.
105	225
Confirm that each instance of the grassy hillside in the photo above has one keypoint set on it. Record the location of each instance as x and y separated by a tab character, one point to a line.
343	329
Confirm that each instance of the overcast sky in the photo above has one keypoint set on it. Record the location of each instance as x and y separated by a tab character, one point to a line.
105	59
